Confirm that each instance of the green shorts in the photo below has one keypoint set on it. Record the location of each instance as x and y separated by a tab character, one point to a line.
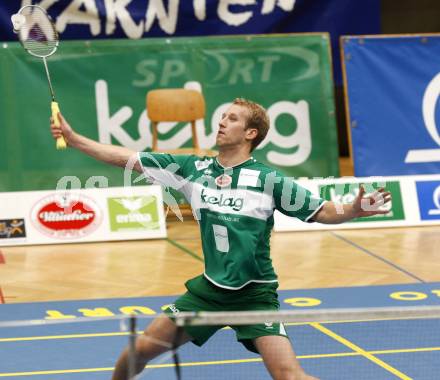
202	295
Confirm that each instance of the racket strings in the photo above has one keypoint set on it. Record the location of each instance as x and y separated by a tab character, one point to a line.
37	33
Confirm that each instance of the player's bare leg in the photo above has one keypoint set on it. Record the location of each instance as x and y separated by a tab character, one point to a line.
279	358
148	346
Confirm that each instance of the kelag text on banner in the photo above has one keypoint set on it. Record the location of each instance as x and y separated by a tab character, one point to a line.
101	87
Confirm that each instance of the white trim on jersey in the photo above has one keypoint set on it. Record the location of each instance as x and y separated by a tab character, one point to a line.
239	287
282	329
166	178
307	220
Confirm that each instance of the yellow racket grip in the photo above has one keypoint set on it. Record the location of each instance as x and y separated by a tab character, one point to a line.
61	143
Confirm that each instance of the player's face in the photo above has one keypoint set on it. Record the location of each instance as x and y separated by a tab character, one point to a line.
232	127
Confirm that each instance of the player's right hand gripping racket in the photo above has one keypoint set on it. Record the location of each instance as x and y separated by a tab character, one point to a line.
36	32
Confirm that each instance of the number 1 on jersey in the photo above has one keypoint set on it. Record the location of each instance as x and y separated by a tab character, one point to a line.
221	238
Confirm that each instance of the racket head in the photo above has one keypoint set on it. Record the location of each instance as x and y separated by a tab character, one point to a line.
36	31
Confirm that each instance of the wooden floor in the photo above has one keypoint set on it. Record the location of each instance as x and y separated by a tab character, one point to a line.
160	267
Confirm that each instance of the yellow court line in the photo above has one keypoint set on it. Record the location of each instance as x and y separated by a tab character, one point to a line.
69	336
354	321
252	360
361	351
168	365
150	366
357	352
56	372
92	335
404	350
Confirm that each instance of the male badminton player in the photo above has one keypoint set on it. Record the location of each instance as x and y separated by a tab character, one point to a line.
234	197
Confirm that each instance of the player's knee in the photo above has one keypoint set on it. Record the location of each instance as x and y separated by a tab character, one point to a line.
285	372
147	348
142	346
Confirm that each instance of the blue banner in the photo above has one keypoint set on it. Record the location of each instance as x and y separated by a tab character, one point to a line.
428	193
393	84
90	19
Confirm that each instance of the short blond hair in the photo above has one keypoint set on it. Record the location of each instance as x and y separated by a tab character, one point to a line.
257	119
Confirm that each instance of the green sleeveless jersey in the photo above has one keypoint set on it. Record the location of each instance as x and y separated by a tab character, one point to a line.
234	208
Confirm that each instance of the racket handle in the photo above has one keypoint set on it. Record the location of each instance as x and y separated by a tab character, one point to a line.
61	143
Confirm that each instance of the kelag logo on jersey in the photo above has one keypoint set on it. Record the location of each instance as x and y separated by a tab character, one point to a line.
428	193
222	201
347	192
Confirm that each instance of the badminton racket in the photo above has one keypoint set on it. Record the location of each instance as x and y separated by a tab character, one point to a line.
37	34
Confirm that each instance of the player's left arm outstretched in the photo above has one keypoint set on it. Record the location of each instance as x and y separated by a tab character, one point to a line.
362	206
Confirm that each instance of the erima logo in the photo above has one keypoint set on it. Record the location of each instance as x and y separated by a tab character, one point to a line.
236	204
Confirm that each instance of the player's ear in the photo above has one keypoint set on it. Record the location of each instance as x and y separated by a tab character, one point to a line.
251	133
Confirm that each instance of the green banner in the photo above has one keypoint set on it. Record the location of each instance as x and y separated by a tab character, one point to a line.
347	192
101	88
